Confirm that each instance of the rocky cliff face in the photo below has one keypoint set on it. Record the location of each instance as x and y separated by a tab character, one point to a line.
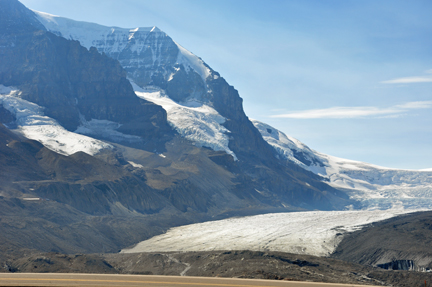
16	18
149	56
74	84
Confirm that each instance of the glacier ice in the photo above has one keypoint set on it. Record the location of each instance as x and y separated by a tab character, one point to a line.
194	121
314	232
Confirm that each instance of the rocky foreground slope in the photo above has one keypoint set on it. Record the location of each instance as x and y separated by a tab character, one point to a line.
241	264
400	243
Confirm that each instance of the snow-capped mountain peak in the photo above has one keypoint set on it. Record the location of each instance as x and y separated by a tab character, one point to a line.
160	52
153	60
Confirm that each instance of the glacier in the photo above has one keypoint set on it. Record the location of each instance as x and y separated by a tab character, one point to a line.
374	187
194	121
314	232
92	34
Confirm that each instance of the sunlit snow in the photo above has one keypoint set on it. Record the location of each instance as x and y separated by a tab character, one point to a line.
190	60
196	122
137	165
314	233
375	186
33	124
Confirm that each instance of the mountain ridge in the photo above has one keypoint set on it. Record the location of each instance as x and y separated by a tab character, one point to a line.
370	185
191	84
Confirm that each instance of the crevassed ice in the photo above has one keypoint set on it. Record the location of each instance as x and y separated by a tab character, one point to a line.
377	187
33	124
194	121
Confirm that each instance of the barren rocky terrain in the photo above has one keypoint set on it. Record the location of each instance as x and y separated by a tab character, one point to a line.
401	242
240	264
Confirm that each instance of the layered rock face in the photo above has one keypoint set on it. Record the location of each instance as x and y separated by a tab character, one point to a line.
149	56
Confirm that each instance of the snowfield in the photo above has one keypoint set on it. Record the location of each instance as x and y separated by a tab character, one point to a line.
194	121
33	124
372	185
314	233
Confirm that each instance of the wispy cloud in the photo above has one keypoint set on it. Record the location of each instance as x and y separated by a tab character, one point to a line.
411	80
356	112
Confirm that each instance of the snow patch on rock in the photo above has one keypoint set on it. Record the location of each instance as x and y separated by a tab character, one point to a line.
33	124
136	165
105	129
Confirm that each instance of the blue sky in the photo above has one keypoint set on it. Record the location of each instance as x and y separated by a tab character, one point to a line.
349	78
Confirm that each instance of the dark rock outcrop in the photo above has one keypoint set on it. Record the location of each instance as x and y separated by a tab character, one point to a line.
398	265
